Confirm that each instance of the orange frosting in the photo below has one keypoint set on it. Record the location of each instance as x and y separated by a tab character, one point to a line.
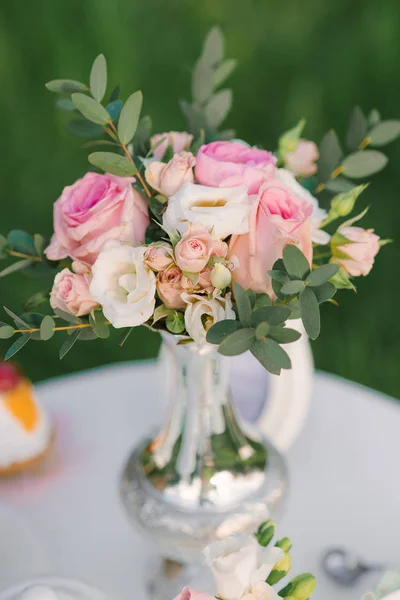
21	404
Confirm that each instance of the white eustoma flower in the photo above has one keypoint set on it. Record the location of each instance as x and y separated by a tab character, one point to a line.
261	591
201	313
123	284
319	214
239	564
225	211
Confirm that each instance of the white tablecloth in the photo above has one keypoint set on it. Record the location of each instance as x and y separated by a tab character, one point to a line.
344	483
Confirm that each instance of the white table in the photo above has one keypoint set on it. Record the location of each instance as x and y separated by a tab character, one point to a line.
69	521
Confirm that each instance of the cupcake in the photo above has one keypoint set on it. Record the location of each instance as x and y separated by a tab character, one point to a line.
25	431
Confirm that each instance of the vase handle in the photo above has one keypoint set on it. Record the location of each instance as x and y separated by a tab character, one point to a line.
289	395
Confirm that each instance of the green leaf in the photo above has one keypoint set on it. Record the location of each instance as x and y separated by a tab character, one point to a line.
67	317
252	296
175	322
114	108
199	141
221	330
6	331
242	304
284	335
202	82
95	143
66	86
310	313
17	345
98	78
99	324
262	300
114	94
17	266
384	133
374	118
141	142
20	241
292	287
47	328
357	130
300	588
262	330
113	163
289	140
69	342
339	184
83	129
223	71
295	262
324	292
35	300
274	315
17	320
161	312
236	343
39	243
65	104
129	118
156	207
90	109
218	108
322	274
213	47
330	154
279	276
261	352
87	335
364	163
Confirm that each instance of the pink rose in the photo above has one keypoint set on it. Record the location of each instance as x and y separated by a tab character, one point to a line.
71	293
188	594
229	164
203	285
302	160
179	140
194	249
94	210
278	217
159	257
169	287
361	252
168	178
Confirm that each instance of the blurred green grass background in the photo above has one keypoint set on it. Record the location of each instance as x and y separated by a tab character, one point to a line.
311	59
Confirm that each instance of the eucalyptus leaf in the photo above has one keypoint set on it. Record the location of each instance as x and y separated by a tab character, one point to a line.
222	329
262	300
114	108
279	276
202	82
161	312
357	130
223	71
242	304
98	78
260	351
324	292
310	313
67	317
236	343
113	163
339	184
87	335
39	243
90	109
322	274
284	335
213	47
16	266
17	345
330	154
141	141
95	143
364	163
36	300
292	287
69	342
83	129
47	328
20	241
17	320
114	94
99	324
175	322
66	86
384	133
374	117
274	315
262	330
6	331
252	296
65	104
129	117
218	108
295	262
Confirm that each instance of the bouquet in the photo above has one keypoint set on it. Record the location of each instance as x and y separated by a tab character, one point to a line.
197	232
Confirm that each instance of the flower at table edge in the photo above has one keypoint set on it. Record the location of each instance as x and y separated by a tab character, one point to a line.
239	563
224	211
123	284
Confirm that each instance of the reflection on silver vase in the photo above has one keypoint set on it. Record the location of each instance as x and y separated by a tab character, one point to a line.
206	475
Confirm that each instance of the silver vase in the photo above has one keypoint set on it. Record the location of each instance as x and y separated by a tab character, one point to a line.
206	475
